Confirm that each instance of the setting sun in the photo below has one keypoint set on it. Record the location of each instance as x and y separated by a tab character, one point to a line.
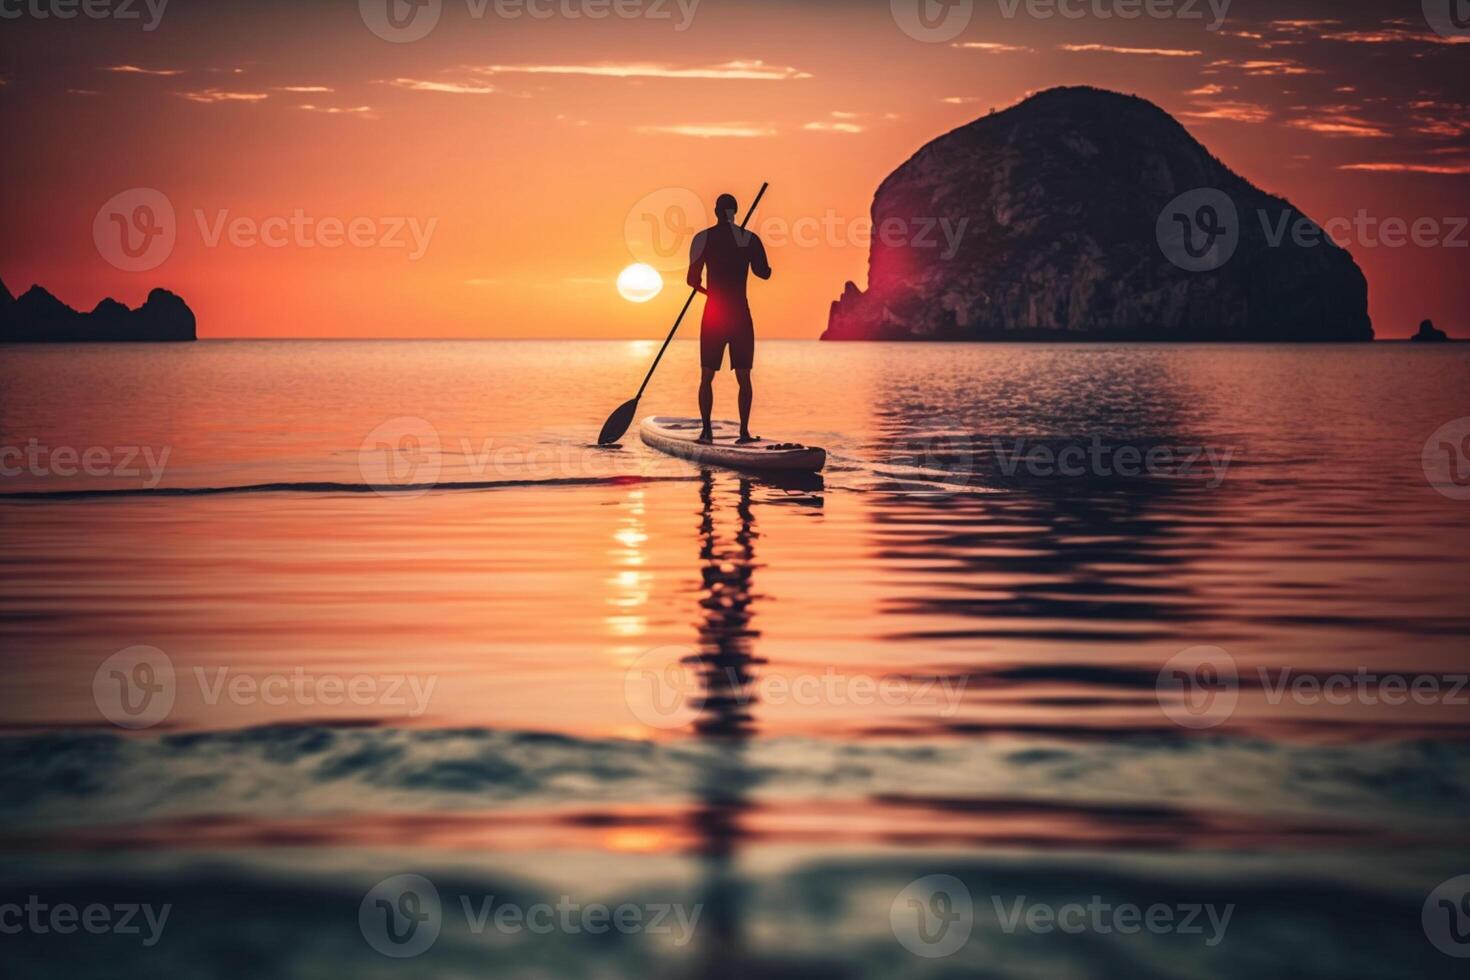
639	283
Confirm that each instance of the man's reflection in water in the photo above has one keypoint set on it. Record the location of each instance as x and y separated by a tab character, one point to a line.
726	674
724	667
727	565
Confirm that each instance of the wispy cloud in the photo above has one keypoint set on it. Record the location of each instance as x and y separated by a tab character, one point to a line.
840	122
738	70
1211	89
304	88
335	110
833	127
1340	125
136	70
1302	26
1443	128
72	91
1394	35
451	88
1144	52
1263	67
1241	112
994	47
1441	120
213	95
1447	169
713	130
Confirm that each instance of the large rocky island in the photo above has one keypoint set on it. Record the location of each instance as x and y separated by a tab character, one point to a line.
39	317
1061	200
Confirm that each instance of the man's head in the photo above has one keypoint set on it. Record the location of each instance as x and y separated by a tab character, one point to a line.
726	207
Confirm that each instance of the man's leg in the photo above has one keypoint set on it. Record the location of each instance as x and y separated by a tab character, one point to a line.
706	403
747	394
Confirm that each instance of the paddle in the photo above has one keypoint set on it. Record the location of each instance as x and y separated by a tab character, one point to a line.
617	423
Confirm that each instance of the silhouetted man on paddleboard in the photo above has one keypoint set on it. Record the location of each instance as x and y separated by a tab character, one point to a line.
729	254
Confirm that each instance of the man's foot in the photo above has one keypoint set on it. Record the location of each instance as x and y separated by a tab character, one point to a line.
706	436
746	437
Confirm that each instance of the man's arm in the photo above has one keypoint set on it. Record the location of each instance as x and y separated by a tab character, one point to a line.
758	263
695	279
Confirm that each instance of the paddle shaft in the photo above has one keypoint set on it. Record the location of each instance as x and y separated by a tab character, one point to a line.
690	302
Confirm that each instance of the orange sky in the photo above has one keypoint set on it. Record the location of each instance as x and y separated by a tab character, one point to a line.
515	154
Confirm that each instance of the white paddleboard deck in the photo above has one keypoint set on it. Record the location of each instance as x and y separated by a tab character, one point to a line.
679	437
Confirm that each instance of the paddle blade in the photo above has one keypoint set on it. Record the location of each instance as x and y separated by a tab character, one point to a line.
617	423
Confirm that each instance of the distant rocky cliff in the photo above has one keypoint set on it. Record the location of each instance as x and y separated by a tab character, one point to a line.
1081	214
1429	333
39	317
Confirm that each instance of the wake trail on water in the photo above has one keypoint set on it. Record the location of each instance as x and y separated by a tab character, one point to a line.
326	486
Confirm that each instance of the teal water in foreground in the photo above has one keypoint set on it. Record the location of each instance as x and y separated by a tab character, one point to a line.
1078	661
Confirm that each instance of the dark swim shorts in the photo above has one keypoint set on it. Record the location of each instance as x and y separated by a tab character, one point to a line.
713	341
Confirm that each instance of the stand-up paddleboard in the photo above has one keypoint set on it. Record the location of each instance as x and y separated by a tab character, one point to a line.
680	437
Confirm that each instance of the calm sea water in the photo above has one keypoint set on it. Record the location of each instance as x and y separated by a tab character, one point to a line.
1094	626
